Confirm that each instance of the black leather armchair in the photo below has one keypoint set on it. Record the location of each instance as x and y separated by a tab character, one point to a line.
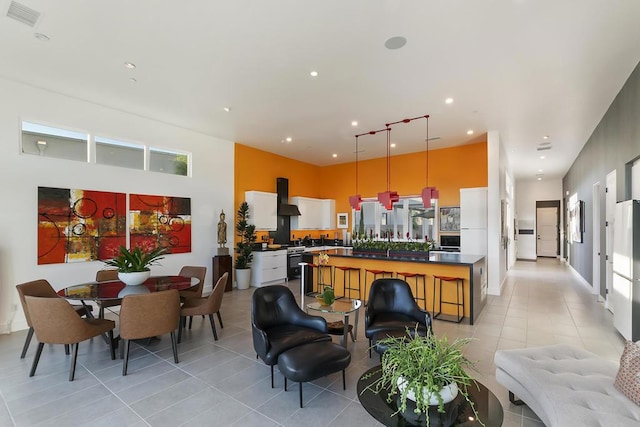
391	307
278	324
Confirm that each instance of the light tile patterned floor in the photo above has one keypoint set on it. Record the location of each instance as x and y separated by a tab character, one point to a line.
221	383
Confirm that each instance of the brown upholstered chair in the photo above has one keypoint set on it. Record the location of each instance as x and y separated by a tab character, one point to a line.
107	276
196	291
149	315
202	306
40	288
56	322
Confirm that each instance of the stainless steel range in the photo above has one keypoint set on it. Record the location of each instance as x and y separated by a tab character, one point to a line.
294	256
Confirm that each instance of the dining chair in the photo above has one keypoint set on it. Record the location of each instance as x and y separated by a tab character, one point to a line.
205	306
40	288
196	291
56	322
149	315
107	276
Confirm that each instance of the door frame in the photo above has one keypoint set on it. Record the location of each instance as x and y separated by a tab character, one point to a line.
549	204
597	223
609	215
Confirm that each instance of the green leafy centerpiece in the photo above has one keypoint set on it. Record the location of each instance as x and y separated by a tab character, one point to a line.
423	371
134	265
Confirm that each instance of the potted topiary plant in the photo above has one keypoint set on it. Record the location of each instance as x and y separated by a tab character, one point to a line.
246	238
423	371
134	265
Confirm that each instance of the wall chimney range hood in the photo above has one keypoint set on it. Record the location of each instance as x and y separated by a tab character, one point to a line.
284	208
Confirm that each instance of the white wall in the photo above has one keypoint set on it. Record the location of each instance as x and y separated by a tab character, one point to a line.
528	192
210	188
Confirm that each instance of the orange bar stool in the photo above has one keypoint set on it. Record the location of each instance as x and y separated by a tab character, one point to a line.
417	276
376	273
346	279
459	282
320	269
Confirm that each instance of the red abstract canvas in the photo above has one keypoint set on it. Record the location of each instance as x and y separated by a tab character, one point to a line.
79	225
160	221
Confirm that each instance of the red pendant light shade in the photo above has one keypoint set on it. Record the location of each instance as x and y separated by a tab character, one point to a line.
355	201
388	198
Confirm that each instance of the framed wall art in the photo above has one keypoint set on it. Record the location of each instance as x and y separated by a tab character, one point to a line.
450	218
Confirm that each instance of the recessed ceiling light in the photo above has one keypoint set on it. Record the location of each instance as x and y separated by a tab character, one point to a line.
335	155
539	179
393	145
313	74
41	37
227	109
395	42
470	132
448	101
132	80
542	157
540	170
354	123
545	137
288	139
130	65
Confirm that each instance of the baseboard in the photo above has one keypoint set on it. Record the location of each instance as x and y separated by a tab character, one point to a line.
581	279
526	259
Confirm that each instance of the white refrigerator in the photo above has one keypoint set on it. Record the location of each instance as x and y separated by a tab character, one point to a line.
625	299
473	221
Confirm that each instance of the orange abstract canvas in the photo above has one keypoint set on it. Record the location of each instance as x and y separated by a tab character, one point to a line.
160	221
79	225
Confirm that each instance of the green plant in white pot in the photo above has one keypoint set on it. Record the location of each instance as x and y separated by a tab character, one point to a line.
134	265
427	370
246	238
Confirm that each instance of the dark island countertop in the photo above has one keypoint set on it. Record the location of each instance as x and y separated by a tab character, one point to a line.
435	258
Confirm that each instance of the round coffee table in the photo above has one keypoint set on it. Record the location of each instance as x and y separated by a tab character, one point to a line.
457	412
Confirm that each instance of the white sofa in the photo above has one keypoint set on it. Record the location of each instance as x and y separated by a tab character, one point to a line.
566	386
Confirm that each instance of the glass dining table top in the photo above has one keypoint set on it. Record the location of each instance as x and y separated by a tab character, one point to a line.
340	306
111	289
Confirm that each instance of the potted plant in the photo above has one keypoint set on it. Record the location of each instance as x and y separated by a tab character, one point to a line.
134	265
246	238
423	371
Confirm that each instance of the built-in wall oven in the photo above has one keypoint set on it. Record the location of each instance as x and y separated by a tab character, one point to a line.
294	257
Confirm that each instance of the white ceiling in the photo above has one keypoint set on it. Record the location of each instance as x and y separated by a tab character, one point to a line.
526	68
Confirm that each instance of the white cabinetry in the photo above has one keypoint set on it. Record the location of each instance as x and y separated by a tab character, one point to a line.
328	214
263	209
268	267
473	221
315	214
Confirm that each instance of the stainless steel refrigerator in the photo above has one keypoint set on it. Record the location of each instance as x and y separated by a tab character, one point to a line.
626	269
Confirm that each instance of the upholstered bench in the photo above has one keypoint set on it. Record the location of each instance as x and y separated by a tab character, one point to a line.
566	386
312	361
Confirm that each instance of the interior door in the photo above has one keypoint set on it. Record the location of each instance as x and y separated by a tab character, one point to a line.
547	232
596	238
610	207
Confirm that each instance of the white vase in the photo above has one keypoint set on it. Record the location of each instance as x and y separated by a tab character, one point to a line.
243	277
135	278
448	393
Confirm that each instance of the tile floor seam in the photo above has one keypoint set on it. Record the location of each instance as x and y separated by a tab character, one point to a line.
4	402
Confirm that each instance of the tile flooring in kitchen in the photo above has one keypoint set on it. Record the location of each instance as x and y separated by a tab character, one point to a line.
221	383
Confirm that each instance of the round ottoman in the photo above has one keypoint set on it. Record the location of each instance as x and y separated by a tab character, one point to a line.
311	361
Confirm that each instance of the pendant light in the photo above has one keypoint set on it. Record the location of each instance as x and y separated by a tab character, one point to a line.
388	198
428	193
355	200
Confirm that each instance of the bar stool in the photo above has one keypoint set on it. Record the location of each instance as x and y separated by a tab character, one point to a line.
346	273
320	269
376	273
459	281
417	276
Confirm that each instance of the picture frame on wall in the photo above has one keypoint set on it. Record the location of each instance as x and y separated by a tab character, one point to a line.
343	220
450	218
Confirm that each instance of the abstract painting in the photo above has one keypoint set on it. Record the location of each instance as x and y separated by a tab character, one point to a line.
79	225
160	221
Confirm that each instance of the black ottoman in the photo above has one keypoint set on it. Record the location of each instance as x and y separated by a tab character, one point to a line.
312	361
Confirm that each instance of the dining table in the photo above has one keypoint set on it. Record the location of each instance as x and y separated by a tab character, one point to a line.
115	289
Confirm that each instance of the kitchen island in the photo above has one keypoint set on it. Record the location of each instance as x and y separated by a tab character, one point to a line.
471	268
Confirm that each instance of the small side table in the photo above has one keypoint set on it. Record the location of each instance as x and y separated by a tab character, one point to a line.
344	307
223	264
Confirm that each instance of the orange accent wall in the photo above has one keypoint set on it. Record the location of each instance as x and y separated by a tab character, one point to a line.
449	170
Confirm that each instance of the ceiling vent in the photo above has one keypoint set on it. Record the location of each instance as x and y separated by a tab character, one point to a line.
544	148
23	14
